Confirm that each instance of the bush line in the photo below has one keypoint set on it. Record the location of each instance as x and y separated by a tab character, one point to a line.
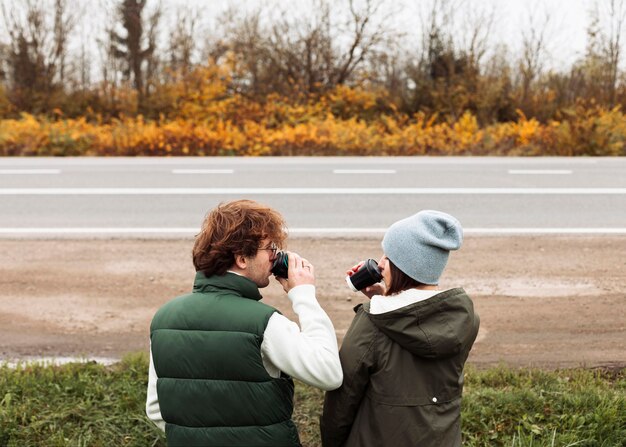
586	131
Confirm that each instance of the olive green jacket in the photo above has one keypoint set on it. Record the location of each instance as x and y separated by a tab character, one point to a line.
403	375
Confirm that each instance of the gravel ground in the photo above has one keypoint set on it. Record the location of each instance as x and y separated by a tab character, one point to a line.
545	301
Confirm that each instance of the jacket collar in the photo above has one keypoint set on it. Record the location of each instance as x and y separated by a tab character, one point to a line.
380	304
424	306
239	285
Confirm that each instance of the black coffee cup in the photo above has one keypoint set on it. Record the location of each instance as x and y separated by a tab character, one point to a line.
368	274
280	267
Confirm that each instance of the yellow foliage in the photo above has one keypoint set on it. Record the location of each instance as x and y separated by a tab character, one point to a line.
210	122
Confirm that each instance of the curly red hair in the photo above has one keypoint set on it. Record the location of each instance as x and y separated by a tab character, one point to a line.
235	228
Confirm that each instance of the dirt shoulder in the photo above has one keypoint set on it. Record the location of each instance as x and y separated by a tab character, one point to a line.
543	301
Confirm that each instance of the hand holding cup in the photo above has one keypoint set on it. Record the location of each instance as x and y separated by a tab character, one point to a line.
365	277
299	271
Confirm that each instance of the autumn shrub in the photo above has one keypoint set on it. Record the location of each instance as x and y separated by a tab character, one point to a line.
592	131
211	121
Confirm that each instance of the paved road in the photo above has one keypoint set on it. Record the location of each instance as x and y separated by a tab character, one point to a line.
317	195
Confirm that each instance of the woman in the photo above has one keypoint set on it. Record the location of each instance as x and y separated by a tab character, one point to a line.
404	353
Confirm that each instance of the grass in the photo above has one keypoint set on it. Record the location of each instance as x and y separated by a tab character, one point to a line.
80	404
86	404
530	407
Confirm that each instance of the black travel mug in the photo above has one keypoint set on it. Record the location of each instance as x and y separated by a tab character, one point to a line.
280	267
368	274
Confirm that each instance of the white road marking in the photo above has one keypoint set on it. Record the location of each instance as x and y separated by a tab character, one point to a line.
203	171
306	191
29	171
364	171
540	171
97	230
340	230
563	230
343	231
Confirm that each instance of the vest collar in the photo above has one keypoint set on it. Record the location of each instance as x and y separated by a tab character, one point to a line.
238	284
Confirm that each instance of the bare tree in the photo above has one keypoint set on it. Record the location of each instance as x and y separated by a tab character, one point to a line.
598	72
495	98
437	38
300	52
612	44
136	45
5	105
306	53
182	41
4	53
84	66
365	35
244	39
534	37
434	66
281	54
476	28
63	24
37	51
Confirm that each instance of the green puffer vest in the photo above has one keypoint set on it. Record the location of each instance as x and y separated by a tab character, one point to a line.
213	388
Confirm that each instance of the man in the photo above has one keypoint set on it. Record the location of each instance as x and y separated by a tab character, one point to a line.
221	362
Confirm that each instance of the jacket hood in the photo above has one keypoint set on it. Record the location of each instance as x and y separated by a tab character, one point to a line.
437	327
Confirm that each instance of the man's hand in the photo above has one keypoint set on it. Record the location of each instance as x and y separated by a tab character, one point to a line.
300	272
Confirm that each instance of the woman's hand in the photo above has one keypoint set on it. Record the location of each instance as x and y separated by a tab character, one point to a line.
351	271
375	289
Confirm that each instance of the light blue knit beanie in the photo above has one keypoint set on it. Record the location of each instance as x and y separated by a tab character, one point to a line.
419	245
